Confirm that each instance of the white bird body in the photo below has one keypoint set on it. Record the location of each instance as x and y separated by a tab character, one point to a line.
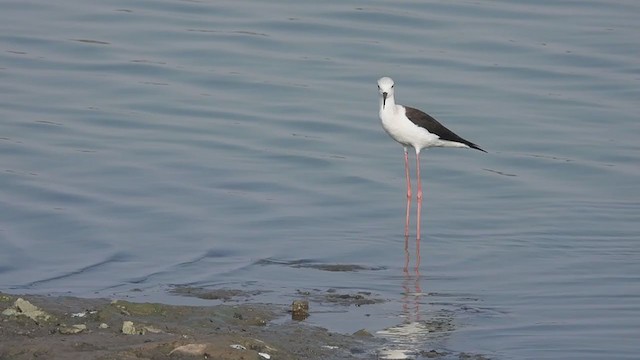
404	131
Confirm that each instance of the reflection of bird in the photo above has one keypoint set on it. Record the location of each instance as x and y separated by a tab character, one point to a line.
415	128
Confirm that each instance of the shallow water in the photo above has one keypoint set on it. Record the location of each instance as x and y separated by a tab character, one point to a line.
237	145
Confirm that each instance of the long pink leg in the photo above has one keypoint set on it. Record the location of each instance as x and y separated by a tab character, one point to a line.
419	197
406	170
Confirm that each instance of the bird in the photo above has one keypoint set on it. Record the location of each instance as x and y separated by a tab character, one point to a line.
414	128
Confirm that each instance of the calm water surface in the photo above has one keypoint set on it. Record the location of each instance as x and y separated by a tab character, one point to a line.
225	144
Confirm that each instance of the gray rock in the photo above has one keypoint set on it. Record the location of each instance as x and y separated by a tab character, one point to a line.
23	307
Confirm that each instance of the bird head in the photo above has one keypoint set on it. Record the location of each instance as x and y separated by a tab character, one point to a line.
385	88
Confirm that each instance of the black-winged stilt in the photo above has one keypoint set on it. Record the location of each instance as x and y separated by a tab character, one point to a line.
415	128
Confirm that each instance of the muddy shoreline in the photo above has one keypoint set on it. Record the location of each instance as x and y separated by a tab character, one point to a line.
33	326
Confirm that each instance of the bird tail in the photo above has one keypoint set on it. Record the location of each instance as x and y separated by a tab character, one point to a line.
474	146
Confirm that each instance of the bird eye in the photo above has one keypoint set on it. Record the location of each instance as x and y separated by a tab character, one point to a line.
393	86
378	87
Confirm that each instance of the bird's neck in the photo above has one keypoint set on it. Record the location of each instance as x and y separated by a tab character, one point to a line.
389	106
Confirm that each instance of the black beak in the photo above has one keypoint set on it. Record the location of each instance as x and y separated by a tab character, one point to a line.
384	98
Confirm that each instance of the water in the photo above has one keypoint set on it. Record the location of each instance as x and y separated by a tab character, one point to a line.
236	145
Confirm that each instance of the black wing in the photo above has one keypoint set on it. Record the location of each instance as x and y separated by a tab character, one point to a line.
432	125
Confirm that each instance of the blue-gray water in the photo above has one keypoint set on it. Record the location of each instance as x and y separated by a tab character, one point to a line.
227	144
